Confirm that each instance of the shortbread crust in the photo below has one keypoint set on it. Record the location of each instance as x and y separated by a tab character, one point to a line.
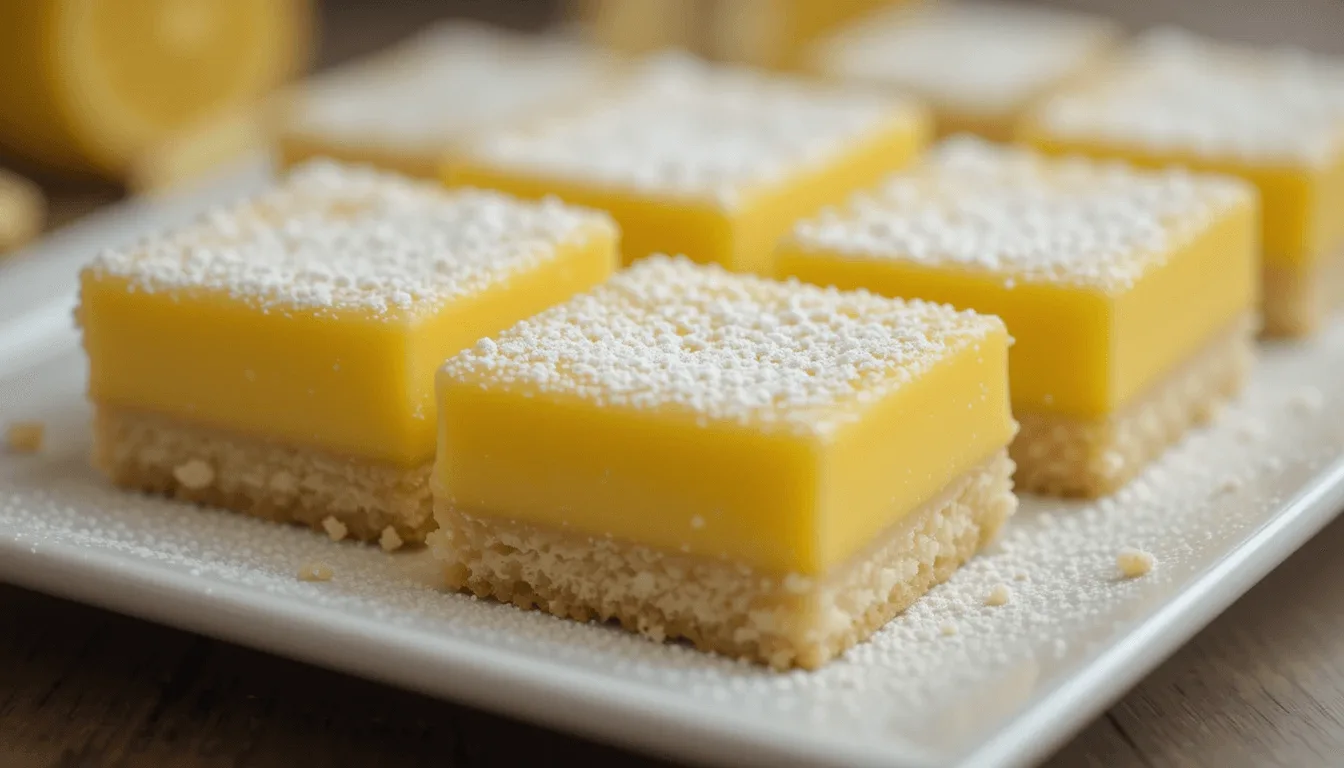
266	479
1298	299
783	621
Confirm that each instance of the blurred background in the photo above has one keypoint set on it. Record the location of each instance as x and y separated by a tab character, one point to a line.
103	99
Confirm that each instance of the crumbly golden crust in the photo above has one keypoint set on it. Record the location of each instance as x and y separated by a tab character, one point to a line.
1296	300
270	480
788	621
1064	456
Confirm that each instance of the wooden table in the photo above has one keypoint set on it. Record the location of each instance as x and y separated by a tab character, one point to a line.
1263	685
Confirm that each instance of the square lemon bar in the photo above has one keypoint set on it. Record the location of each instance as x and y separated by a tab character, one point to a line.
1129	294
979	65
714	163
770	470
408	108
1274	118
277	357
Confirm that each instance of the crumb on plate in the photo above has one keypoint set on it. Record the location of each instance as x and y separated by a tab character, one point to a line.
315	571
1135	562
25	436
335	528
390	540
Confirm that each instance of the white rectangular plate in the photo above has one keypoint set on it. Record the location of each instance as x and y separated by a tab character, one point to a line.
953	681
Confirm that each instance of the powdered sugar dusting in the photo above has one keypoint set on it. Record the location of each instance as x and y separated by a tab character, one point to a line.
442	84
670	334
973	56
683	128
334	238
1011	213
913	688
1176	92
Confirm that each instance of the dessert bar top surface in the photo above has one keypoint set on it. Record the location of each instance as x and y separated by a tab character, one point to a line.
999	210
683	128
669	335
978	56
1176	92
348	240
451	78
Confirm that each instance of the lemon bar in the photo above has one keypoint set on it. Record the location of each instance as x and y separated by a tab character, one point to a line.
1274	118
277	357
1130	294
408	108
979	65
771	470
711	162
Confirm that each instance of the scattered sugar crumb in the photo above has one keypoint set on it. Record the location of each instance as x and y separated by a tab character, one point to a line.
697	522
315	570
1000	594
194	474
390	540
1134	563
948	629
1306	401
337	530
25	436
1021	576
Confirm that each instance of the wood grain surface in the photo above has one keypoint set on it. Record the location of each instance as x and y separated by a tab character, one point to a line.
1262	686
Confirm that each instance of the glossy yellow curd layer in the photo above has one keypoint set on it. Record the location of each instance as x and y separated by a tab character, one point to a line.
686	408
